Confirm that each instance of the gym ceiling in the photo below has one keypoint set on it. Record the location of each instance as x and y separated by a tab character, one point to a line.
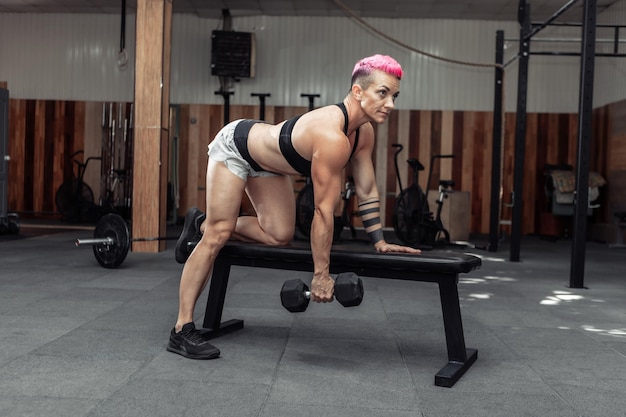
501	10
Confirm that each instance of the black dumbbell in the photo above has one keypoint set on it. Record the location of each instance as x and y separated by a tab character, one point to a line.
295	294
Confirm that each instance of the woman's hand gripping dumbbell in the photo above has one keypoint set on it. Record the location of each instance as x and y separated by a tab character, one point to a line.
295	294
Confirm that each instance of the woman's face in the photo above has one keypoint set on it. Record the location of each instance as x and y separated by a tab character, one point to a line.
377	100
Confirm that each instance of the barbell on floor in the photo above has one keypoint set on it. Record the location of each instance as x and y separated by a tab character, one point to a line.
111	240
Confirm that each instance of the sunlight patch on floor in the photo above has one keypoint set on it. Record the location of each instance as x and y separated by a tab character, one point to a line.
559	297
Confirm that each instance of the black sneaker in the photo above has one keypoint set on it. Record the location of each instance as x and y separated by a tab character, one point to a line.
191	233
191	343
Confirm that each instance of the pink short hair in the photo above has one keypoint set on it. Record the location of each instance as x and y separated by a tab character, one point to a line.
384	63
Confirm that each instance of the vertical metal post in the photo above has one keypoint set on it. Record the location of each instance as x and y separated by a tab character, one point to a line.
585	108
520	137
226	95
311	98
496	153
123	27
261	97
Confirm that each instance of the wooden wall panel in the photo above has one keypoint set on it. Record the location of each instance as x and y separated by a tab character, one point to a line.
43	134
544	131
58	145
457	149
29	146
243	112
447	146
616	149
435	149
205	132
215	118
184	125
487	127
188	151
38	156
467	159
425	144
601	156
508	158
530	173
88	132
477	192
466	135
17	150
568	130
599	142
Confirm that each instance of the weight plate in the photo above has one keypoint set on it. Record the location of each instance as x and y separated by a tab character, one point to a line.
111	255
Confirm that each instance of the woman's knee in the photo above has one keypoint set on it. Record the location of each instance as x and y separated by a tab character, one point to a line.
280	235
215	235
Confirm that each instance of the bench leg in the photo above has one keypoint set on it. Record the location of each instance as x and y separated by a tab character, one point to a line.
459	357
213	327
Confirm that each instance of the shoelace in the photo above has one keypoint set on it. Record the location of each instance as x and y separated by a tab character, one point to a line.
194	336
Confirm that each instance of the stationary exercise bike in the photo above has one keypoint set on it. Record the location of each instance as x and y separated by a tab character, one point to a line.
413	222
74	198
305	208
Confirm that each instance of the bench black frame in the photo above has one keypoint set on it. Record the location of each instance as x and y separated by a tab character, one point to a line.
442	268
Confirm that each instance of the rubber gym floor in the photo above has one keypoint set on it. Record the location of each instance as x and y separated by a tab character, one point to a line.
80	340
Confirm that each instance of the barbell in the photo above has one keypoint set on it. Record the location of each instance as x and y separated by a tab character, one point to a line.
111	240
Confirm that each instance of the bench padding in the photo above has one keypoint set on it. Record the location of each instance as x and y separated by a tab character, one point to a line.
349	259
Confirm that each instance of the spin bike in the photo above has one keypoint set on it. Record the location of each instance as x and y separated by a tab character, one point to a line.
305	208
413	222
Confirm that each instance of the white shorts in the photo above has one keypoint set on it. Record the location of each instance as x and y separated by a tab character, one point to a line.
223	149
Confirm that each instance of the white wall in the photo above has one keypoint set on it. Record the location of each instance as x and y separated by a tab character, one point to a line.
74	57
610	76
64	57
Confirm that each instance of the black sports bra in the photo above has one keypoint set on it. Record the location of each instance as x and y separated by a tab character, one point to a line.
296	160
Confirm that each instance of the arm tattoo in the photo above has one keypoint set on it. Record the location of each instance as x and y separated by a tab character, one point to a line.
370	215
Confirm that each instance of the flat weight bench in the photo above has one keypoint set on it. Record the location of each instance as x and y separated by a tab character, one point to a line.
442	268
